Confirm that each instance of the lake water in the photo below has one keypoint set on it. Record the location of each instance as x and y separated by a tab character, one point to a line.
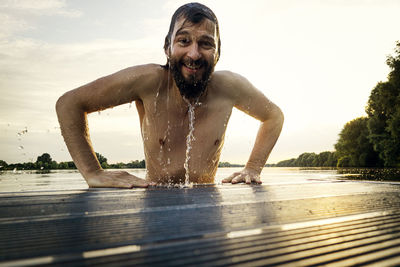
18	181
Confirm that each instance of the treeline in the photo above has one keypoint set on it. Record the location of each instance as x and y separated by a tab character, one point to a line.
323	159
45	162
227	164
370	141
374	140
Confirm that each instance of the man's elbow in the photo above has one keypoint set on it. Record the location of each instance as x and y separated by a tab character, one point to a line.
65	104
280	118
275	116
61	104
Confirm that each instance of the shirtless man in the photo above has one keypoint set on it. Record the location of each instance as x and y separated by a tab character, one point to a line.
167	99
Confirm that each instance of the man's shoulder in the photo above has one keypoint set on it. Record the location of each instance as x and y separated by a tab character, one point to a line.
224	81
146	69
148	76
226	77
222	75
140	80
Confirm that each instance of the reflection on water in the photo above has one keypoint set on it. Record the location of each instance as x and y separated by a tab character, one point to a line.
17	181
376	174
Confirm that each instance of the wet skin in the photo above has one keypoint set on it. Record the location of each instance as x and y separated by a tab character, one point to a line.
164	119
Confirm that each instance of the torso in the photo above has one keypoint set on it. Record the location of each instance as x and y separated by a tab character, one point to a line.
165	126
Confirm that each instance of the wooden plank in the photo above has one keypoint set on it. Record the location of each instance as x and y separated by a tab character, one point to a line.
311	223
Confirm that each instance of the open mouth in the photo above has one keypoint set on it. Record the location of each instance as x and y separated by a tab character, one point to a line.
192	66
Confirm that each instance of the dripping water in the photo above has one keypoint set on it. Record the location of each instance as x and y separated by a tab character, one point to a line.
189	139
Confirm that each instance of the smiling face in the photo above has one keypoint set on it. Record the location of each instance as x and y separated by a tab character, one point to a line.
192	55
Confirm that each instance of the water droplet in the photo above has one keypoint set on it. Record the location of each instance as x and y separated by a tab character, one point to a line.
189	139
20	147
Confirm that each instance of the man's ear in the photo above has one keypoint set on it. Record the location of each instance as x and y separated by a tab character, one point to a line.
167	52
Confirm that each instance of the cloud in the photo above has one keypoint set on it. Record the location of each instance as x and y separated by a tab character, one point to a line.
10	24
39	7
18	16
33	74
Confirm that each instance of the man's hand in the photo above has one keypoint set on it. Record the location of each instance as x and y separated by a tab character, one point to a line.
119	179
247	176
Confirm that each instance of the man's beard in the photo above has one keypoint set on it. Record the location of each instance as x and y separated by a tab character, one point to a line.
192	87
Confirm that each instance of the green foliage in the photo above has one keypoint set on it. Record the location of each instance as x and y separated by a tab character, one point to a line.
137	164
306	160
346	161
44	161
323	159
332	160
101	158
353	147
3	165
227	164
383	111
287	163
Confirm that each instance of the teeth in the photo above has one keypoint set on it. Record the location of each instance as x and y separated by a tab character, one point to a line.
191	67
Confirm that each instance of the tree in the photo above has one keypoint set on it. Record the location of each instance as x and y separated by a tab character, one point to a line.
3	165
305	160
44	161
383	111
353	147
345	161
324	159
102	160
332	159
287	163
44	158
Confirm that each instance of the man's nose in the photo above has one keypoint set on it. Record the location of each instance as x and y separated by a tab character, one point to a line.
194	52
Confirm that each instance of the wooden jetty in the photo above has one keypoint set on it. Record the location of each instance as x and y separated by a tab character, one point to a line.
331	222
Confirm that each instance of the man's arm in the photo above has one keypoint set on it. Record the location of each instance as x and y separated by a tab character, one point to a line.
253	102
72	108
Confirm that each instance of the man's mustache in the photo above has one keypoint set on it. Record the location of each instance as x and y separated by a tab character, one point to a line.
194	63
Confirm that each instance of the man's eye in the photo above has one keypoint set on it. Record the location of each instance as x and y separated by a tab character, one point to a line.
183	41
207	45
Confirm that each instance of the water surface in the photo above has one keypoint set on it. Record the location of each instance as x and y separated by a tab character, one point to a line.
17	181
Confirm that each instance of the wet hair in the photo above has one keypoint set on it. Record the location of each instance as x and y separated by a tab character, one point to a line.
194	13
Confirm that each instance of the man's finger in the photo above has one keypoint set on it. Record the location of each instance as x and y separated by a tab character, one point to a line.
256	179
237	179
136	182
226	180
229	178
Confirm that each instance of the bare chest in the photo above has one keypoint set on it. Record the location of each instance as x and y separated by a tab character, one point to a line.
171	126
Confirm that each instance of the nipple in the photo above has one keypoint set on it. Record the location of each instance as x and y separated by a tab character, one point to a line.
161	141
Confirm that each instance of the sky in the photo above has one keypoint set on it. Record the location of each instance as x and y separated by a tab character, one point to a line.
317	60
